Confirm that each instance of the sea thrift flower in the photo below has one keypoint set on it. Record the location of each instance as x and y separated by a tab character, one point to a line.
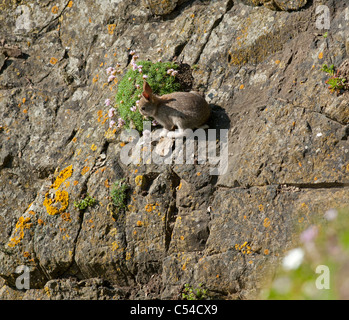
309	234
138	86
293	259
169	71
111	112
154	123
331	214
111	78
174	73
132	52
145	77
121	122
110	70
111	123
133	108
137	103
107	102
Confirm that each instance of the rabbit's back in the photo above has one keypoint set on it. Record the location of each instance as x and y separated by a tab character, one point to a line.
191	106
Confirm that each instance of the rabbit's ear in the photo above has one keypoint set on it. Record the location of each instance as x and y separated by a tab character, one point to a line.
147	91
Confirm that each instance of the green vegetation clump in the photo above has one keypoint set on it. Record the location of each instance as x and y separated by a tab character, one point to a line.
336	83
119	193
161	78
189	293
85	203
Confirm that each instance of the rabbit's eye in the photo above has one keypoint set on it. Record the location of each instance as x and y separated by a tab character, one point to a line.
143	108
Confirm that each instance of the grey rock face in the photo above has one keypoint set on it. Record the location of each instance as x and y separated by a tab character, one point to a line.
260	71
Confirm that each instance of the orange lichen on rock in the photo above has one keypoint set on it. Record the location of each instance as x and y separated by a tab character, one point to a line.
22	223
62	176
61	198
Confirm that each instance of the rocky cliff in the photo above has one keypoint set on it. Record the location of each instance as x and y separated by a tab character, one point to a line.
258	63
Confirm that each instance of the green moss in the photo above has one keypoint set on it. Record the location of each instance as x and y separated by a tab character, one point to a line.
119	193
189	293
85	203
131	87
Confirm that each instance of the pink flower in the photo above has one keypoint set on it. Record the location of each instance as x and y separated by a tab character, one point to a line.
138	86
107	102
132	52
137	102
121	122
174	73
309	234
111	112
110	70
111	78
111	123
169	71
154	123
145	77
133	108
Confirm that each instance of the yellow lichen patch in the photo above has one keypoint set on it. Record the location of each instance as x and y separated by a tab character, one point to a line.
84	170
321	55
41	222
266	222
266	252
111	28
93	147
148	207
139	181
242	87
62	176
22	223
70	4
244	248
61	200
66	217
128	256
261	208
53	60
54	10
139	223
114	246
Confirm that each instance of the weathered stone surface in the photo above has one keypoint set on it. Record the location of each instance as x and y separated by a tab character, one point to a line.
285	5
260	71
160	7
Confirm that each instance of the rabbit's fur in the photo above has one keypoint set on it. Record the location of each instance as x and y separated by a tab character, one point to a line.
184	110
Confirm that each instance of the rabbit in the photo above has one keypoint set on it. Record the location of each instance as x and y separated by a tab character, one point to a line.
184	110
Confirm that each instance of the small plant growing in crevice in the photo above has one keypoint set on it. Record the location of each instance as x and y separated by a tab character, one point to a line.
119	194
85	203
189	293
335	82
